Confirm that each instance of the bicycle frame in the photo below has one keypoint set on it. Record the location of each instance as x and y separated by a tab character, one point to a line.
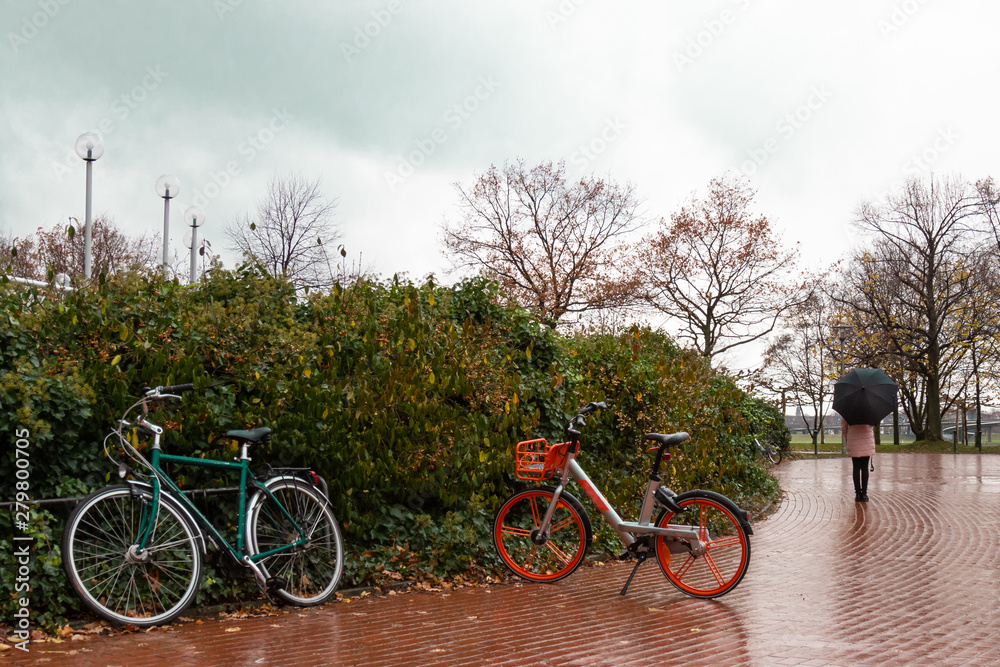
242	466
626	530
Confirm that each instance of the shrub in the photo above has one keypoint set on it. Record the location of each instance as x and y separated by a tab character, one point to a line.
407	398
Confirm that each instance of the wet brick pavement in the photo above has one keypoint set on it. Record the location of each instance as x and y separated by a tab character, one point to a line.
912	578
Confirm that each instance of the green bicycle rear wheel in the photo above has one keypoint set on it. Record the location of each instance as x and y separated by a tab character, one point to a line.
311	572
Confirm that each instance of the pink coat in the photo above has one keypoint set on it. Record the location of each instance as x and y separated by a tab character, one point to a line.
860	439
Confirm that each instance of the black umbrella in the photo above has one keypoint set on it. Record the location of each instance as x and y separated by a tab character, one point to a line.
864	396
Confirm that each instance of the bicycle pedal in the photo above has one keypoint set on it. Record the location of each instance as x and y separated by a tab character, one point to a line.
276	584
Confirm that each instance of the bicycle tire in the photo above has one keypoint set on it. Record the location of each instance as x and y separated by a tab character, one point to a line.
773	454
146	589
311	572
727	554
550	560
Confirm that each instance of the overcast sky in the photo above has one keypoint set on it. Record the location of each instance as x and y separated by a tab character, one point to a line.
391	102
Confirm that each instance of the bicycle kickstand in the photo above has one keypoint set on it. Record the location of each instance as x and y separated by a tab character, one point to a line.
640	558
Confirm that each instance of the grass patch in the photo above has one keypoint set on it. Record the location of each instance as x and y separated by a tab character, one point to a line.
802	446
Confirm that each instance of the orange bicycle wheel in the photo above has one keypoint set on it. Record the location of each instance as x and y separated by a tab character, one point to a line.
534	556
716	565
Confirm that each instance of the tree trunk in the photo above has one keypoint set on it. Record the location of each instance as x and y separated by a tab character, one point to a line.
933	430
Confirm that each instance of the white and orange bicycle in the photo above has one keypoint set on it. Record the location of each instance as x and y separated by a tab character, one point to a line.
700	539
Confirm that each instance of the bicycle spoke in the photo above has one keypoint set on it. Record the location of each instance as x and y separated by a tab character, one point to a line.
724	542
684	568
560	554
535	516
714	569
568	521
531	556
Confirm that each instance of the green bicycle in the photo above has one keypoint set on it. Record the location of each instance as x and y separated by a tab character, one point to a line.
134	551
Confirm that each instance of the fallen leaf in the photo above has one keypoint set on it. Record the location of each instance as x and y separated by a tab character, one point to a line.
236	629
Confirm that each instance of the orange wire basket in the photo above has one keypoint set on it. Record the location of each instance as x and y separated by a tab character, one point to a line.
536	459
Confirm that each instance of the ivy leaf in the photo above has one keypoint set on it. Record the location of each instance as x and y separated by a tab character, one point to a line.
114	362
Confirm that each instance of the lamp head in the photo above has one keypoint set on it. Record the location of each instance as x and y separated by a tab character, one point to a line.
168	186
89	146
194	216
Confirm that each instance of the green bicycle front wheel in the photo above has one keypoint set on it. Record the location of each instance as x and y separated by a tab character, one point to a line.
115	579
309	573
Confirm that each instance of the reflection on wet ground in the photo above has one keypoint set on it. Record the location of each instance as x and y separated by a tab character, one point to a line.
912	577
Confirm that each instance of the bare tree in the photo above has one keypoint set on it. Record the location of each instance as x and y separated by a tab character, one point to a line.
922	283
719	272
801	361
554	246
60	249
289	231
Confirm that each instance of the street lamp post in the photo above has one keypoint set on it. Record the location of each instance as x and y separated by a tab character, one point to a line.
89	146
167	187
195	217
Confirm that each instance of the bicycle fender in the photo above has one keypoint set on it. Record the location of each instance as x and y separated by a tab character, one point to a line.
148	489
740	515
259	495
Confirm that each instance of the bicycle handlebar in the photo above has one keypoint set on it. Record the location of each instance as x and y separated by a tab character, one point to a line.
169	389
579	422
188	386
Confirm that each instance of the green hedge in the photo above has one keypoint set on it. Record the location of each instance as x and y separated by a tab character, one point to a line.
408	399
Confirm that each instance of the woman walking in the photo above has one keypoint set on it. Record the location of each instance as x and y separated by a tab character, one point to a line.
860	440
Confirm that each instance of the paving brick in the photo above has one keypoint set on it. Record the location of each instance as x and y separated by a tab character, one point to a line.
910	578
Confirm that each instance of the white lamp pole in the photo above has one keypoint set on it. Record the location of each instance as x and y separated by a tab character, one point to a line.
167	187
89	146
195	217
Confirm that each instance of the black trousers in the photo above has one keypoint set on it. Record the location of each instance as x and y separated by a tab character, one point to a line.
860	473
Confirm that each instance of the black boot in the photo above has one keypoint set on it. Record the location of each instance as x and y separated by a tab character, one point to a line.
863	497
857	496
